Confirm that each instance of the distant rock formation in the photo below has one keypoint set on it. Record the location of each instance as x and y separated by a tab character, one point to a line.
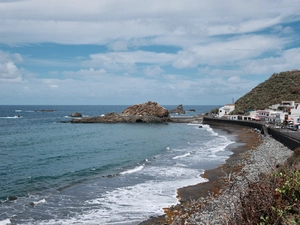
45	110
146	109
75	114
178	110
149	112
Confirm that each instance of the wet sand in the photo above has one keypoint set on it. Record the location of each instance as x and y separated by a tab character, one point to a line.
246	139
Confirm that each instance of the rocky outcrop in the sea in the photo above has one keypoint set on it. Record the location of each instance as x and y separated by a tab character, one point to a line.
75	114
178	110
45	110
146	109
149	112
117	118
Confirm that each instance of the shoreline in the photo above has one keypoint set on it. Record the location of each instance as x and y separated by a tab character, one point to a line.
245	139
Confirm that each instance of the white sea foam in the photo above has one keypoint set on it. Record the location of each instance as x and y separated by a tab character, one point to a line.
39	202
129	205
181	156
204	126
5	222
167	173
134	170
136	203
195	124
219	144
180	165
213	133
11	117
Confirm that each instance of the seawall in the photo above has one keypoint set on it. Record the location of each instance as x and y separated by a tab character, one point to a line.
290	139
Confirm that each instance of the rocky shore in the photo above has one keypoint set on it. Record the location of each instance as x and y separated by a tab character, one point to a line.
215	201
264	159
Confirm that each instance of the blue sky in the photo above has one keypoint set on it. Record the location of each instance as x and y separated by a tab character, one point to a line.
131	51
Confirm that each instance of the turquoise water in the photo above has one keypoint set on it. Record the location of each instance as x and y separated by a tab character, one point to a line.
55	172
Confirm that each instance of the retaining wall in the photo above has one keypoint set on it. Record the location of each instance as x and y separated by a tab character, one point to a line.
289	139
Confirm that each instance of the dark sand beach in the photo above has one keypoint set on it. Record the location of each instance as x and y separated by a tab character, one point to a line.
246	139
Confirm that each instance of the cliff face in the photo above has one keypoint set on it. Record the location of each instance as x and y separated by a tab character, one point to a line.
284	86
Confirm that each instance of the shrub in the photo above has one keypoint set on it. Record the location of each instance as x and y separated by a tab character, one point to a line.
275	199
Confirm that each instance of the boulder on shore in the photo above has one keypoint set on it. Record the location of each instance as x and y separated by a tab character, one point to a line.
75	114
178	110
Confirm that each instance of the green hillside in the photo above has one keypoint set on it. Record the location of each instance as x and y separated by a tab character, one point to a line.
284	86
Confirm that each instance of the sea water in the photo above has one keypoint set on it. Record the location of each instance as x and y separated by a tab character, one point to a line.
56	172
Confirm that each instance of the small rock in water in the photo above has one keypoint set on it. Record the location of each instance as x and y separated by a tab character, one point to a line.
31	204
75	114
12	198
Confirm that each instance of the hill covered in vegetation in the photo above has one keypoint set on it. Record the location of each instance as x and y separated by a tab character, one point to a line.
284	86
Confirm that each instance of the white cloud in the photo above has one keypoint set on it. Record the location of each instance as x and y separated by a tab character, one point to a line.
223	41
210	71
119	60
8	69
118	46
282	30
287	60
153	71
53	85
227	52
102	22
84	74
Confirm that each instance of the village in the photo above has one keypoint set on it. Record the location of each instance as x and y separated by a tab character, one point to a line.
283	115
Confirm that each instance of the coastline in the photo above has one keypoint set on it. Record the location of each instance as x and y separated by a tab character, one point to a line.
246	139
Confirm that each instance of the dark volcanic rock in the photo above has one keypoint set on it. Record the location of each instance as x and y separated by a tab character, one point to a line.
178	110
45	110
191	110
117	118
12	198
75	114
146	109
149	112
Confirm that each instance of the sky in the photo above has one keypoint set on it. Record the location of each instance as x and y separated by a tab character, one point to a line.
123	52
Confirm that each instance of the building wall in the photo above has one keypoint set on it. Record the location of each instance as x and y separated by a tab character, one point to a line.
225	110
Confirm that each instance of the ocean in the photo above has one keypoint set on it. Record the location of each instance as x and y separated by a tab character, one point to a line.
56	172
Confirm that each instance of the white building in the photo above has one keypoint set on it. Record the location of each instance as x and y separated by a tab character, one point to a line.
294	113
225	110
